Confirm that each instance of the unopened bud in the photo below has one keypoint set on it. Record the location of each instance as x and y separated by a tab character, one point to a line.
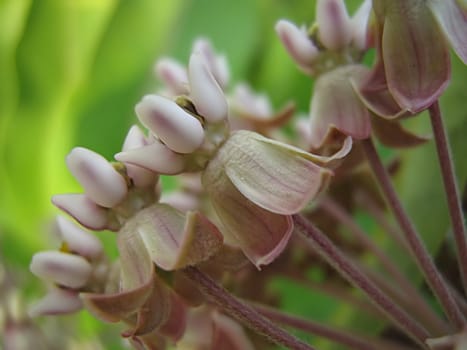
179	130
335	29
79	240
58	301
206	93
101	182
82	209
64	269
173	74
297	43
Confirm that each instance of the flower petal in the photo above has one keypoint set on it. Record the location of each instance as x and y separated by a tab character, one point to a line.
172	239
451	16
101	182
78	240
65	269
335	103
335	28
178	129
58	301
392	134
278	179
156	157
206	93
83	210
261	235
416	57
297	44
173	74
229	334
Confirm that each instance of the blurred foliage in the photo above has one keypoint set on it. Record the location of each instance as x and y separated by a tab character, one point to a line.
72	70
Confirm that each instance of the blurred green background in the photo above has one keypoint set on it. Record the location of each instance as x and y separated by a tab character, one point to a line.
71	72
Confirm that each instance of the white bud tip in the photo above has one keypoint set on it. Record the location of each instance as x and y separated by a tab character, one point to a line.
173	74
155	157
297	43
101	182
82	209
58	301
78	240
335	29
179	130
64	269
206	93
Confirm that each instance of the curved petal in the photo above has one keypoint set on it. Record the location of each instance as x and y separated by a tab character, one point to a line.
335	103
229	334
173	240
451	16
416	57
260	234
392	134
277	178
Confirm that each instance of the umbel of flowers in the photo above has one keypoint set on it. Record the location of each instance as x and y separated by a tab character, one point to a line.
253	184
242	187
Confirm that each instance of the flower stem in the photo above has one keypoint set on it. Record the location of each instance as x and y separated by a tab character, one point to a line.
337	336
417	303
451	188
349	271
243	312
417	247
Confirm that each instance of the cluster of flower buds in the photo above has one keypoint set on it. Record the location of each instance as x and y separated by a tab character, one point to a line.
348	98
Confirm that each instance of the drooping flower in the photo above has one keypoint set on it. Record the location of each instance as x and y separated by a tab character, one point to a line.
332	53
413	67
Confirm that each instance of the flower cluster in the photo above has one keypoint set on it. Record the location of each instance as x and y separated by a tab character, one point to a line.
241	185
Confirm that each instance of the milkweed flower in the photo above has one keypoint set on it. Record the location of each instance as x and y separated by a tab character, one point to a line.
413	67
332	51
254	184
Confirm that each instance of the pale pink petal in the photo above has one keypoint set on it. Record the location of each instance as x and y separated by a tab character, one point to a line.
297	44
141	177
57	301
206	93
336	104
173	74
178	129
261	234
392	134
173	240
451	16
175	325
156	157
415	54
101	182
217	64
359	22
78	240
334	26
65	269
277	178
83	210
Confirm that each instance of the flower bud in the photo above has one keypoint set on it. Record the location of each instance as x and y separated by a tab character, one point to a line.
64	269
58	301
297	43
141	177
156	157
335	30
206	93
173	74
79	240
179	130
217	64
101	182
359	22
82	209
